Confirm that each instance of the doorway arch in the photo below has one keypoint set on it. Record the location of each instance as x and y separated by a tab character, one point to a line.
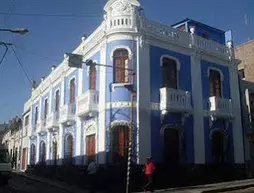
120	142
32	154
42	152
68	150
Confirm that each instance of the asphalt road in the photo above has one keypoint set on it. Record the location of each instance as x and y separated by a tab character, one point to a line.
19	184
247	190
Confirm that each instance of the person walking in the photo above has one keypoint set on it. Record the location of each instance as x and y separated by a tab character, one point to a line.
149	170
92	175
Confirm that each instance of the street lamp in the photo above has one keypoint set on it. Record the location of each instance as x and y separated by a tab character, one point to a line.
21	31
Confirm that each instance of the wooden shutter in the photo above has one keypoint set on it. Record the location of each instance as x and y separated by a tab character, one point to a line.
169	68
72	91
92	78
215	83
57	101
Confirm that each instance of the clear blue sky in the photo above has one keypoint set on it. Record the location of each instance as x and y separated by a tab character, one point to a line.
51	37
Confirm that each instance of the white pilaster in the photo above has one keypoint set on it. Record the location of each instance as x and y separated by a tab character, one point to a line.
143	102
61	142
102	107
48	146
37	149
78	137
236	110
198	118
62	92
29	152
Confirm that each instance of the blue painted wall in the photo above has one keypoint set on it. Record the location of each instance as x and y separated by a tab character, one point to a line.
120	94
213	34
86	74
184	76
184	83
205	65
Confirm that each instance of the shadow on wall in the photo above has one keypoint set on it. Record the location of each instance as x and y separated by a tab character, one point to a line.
112	177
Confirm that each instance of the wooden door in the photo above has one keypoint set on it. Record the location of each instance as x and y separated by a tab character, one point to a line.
24	156
90	147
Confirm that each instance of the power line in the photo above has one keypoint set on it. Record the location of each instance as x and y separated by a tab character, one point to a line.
5	53
21	66
36	54
53	15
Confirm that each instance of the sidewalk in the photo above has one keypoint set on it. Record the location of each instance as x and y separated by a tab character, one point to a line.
212	188
207	188
55	183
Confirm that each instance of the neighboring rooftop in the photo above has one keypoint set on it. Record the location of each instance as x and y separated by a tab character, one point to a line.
198	23
245	43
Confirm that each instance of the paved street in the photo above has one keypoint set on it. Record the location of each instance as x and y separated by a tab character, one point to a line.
19	184
247	190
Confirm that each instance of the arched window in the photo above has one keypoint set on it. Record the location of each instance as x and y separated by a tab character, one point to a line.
68	153
57	100
72	91
45	108
169	73
92	77
121	63
32	154
215	83
36	115
42	152
120	142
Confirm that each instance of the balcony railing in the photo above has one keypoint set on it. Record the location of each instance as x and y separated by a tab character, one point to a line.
220	107
52	120
87	104
42	126
175	100
67	113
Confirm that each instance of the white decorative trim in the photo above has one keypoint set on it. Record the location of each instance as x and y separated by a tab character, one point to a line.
178	65
57	89
90	128
120	104
120	123
119	85
75	81
171	126
155	106
215	69
121	47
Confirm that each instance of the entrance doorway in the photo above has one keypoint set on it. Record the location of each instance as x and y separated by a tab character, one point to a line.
24	158
218	147
90	147
172	146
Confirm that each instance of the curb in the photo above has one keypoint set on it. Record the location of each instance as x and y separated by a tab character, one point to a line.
41	181
229	189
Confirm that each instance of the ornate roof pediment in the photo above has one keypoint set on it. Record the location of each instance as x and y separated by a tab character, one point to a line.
120	7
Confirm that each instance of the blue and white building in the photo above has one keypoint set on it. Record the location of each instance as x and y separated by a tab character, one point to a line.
187	106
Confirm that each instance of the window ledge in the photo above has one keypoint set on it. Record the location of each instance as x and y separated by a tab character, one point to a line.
119	85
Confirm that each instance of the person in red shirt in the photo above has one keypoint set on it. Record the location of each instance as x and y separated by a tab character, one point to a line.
149	170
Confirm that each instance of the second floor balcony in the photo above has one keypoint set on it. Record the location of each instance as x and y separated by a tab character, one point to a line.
41	126
67	114
220	107
52	121
175	101
87	104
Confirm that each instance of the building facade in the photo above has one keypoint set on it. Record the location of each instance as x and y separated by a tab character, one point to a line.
246	74
186	108
12	138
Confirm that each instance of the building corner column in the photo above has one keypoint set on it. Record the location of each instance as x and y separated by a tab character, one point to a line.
198	110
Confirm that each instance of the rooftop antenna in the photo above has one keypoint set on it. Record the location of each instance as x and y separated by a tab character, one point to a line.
246	22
